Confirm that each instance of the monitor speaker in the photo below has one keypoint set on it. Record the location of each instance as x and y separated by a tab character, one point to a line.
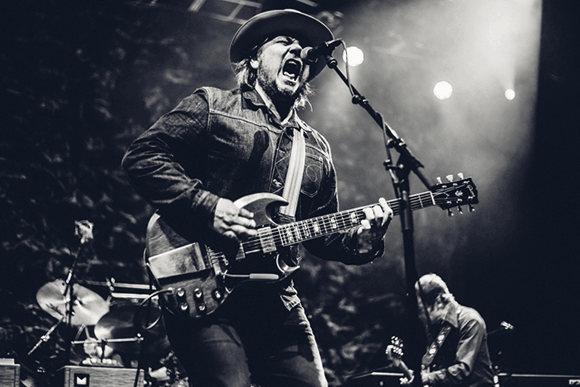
75	376
537	380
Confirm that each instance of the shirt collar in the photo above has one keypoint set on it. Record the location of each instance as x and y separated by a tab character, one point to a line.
254	98
452	312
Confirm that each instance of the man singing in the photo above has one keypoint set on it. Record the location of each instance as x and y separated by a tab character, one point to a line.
218	146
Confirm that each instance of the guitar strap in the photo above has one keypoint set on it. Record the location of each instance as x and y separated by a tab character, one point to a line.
434	347
294	175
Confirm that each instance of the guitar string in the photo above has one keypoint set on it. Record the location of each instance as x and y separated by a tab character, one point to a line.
341	220
325	223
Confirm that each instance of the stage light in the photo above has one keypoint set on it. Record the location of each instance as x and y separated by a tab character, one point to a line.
510	94
355	56
443	90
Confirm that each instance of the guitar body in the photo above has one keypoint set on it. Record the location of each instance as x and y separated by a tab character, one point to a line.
196	279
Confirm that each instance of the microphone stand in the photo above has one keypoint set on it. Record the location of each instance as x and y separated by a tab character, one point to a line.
399	173
83	230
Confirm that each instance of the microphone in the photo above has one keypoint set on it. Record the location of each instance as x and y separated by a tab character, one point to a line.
311	54
506	326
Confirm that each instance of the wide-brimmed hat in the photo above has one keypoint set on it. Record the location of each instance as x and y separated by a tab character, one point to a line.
308	30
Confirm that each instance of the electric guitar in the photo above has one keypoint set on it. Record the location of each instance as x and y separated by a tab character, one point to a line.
194	278
394	352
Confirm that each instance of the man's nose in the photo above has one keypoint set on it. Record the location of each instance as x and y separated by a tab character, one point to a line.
295	48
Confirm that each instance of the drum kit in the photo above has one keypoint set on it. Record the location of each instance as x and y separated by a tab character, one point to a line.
124	330
118	332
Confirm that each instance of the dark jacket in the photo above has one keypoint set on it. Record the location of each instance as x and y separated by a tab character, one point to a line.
218	143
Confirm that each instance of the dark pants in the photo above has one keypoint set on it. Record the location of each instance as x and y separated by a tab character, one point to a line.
252	338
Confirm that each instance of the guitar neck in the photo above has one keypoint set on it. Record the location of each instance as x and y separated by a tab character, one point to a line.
304	230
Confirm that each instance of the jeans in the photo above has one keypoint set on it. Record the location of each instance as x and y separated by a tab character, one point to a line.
251	339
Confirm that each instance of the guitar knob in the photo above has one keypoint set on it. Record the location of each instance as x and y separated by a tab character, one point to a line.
449	178
439	180
460	175
217	294
182	300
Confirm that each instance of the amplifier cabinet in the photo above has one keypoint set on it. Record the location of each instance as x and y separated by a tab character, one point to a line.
389	379
10	375
76	376
537	380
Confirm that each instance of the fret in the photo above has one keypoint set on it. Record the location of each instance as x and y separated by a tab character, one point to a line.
353	218
432	197
333	224
306	229
282	235
266	240
295	231
288	234
315	227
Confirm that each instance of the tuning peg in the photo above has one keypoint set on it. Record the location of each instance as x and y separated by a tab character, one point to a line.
459	209
439	180
460	175
449	212
471	209
449	178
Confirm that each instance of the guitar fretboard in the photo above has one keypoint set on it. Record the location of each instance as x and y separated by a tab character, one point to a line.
293	233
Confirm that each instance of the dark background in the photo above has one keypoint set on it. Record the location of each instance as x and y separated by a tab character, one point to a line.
81	80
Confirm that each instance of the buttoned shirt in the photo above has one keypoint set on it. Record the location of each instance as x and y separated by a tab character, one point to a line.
463	358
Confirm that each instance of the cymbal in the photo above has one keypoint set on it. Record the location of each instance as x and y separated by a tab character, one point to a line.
87	306
117	328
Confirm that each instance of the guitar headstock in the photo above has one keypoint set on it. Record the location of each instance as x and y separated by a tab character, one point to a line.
456	193
394	350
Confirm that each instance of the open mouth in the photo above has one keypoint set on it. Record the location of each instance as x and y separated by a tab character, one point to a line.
292	69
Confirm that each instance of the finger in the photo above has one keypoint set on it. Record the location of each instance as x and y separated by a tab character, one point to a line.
244	222
378	214
230	234
365	225
387	211
369	213
239	217
245	213
386	208
243	232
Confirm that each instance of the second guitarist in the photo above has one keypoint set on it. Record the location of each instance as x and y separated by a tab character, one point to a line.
217	146
458	353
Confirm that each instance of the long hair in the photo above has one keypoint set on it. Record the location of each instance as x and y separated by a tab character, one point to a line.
430	288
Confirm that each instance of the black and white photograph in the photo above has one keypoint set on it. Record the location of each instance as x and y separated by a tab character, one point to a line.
289	193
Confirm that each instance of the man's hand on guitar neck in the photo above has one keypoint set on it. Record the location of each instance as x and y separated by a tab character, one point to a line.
374	227
233	222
